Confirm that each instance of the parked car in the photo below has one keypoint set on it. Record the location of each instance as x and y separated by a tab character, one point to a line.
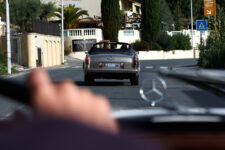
111	60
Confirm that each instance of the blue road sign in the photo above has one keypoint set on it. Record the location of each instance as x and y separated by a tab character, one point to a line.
201	25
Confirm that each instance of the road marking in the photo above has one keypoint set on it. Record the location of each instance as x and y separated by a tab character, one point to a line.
149	67
64	67
163	67
77	67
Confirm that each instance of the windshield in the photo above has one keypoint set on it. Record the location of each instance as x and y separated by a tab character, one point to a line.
119	48
148	38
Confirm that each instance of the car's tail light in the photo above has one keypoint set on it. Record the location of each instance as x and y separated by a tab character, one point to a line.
135	61
122	66
87	60
100	66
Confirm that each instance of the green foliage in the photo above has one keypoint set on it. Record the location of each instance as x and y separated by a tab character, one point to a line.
166	17
3	69
150	21
71	15
164	40
22	12
3	62
178	16
110	10
2	10
185	7
212	54
181	42
213	58
48	11
140	45
175	42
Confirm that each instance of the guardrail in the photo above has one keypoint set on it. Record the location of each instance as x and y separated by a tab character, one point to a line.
79	32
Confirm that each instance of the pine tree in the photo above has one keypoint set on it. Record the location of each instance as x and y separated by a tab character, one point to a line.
110	10
178	16
150	21
166	17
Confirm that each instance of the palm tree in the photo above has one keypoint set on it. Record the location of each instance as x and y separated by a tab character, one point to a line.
48	11
71	16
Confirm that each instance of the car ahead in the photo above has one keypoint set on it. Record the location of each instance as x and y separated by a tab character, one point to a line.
111	60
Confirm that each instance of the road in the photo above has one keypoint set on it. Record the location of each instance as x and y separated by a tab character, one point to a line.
124	96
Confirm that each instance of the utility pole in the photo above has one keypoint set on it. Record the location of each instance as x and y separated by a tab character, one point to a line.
8	38
62	33
192	30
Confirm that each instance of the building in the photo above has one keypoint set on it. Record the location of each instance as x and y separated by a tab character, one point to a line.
34	50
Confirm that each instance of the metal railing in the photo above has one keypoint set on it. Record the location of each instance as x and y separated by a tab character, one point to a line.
80	32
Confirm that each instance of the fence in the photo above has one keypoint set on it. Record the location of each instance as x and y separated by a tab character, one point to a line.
45	28
80	32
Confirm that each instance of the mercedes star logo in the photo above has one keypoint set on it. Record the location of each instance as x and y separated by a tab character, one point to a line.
153	90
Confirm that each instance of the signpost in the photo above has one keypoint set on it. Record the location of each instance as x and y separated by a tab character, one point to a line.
209	7
210	10
192	30
62	32
201	25
8	38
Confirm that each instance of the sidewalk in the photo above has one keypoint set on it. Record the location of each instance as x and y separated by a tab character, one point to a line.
70	62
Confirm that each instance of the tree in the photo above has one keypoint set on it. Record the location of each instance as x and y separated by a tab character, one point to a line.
110	10
178	16
72	15
48	11
186	9
166	17
22	12
2	10
150	21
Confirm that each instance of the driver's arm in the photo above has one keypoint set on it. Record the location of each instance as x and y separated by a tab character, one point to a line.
67	101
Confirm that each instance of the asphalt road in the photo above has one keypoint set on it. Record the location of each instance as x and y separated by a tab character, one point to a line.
124	96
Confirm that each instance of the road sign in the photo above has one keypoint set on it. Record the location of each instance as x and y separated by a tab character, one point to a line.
209	7
201	25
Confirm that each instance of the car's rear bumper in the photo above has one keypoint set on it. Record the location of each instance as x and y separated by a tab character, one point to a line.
90	70
112	74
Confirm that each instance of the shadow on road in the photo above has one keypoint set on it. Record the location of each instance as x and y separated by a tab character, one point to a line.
101	83
206	99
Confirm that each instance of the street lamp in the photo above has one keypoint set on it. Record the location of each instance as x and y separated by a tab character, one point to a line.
192	32
8	38
62	31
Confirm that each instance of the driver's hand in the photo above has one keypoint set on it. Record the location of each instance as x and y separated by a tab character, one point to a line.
66	100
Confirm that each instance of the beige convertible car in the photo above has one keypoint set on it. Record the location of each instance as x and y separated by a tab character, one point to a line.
108	60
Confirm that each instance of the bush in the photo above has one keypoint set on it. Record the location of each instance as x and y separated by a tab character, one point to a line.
68	51
164	40
211	56
180	42
141	46
175	42
3	65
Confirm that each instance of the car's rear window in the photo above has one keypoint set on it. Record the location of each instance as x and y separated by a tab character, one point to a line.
121	48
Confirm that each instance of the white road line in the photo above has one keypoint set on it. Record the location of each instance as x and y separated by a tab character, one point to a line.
149	67
64	67
77	67
163	67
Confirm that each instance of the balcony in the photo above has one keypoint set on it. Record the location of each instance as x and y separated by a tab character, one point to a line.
80	32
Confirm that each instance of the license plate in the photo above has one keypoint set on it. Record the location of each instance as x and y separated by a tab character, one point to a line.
111	65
